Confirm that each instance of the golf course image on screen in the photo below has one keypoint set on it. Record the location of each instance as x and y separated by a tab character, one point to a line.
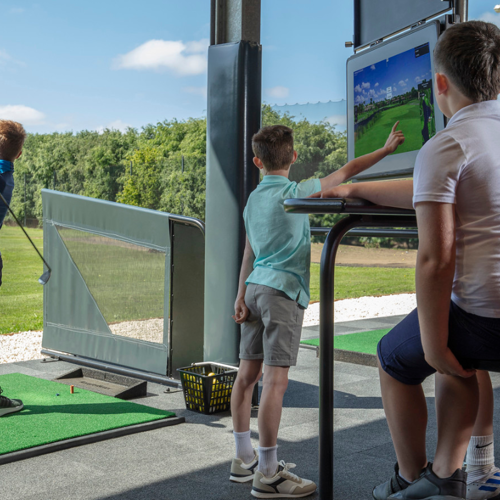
396	88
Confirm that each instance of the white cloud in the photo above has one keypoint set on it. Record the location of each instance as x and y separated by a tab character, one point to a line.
406	80
382	91
183	59
372	93
357	88
116	125
376	85
402	83
489	17
358	100
394	89
365	85
196	90
372	66
278	92
22	114
340	120
17	10
418	79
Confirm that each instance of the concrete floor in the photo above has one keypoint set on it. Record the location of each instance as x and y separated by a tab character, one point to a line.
192	460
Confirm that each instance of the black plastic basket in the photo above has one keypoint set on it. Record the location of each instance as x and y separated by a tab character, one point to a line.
207	386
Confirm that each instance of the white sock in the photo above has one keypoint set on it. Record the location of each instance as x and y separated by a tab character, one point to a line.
244	448
480	457
268	460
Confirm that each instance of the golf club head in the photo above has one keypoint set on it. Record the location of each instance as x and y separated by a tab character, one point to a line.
44	278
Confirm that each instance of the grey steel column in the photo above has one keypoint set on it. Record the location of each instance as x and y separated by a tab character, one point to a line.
461	8
233	116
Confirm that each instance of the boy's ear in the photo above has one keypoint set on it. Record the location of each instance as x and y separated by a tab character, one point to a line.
258	163
294	159
442	83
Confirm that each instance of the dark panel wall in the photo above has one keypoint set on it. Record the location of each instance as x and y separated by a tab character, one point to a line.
234	99
376	19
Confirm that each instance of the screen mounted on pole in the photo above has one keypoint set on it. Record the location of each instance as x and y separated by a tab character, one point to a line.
389	83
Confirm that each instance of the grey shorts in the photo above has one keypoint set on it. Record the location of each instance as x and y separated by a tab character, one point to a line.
273	328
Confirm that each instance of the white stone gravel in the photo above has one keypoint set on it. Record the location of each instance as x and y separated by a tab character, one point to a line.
364	307
24	346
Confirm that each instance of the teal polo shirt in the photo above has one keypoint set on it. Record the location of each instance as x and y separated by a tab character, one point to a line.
281	242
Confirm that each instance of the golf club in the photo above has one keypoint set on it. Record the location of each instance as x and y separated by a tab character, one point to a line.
44	278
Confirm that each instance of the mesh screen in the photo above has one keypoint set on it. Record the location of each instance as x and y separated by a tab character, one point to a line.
127	282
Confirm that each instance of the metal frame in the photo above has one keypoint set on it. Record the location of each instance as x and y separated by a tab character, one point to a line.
360	214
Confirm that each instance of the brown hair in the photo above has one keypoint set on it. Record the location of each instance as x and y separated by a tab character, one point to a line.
274	147
469	55
12	136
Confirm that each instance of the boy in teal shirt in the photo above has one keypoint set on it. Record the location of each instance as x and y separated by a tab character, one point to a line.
272	296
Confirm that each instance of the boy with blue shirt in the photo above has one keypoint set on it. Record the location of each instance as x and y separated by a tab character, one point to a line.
272	296
12	136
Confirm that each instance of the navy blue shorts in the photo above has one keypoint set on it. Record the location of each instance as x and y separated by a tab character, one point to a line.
471	338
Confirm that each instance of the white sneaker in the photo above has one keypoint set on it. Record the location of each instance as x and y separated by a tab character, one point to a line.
283	484
487	488
242	472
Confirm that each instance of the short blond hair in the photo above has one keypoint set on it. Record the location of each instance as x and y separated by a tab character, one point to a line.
12	136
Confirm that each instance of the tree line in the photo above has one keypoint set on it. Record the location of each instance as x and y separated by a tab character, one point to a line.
162	166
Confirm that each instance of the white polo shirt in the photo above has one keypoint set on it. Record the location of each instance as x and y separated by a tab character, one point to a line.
461	165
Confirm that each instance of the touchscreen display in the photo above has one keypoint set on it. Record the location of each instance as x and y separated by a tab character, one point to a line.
397	88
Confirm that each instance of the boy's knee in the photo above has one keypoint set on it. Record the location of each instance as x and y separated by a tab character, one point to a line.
276	381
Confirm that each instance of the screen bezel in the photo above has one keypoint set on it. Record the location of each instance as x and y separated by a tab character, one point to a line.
396	165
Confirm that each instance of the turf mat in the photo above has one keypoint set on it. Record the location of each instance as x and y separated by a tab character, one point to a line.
365	342
47	418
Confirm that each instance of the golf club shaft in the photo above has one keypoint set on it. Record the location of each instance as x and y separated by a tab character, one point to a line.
24	231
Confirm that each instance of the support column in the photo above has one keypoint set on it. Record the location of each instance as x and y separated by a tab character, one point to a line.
233	116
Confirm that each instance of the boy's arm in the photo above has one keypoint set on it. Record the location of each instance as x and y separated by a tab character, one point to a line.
434	279
364	162
240	309
386	193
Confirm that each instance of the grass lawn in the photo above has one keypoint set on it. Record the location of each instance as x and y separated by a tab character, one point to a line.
409	122
354	282
21	296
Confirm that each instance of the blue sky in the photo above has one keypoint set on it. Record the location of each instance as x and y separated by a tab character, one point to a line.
398	73
69	66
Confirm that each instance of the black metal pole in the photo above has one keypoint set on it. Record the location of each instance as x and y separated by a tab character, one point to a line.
326	353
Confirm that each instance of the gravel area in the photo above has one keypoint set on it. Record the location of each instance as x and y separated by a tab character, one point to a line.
24	346
365	307
148	329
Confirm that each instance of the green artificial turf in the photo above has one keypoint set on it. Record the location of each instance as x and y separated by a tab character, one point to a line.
47	418
365	342
409	122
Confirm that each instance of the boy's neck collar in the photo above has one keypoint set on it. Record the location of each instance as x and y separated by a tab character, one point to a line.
282	173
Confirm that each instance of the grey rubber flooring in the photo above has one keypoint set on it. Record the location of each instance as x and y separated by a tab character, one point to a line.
192	460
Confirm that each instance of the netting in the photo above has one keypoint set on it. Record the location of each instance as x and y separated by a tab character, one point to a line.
126	280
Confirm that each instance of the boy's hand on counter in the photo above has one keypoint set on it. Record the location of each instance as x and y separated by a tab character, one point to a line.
241	311
335	192
395	139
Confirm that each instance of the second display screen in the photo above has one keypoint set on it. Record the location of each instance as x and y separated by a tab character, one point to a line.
397	88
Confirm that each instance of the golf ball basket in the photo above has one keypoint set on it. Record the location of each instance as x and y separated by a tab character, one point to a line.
207	386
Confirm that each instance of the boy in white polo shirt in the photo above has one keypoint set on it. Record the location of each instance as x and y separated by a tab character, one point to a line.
456	195
272	295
